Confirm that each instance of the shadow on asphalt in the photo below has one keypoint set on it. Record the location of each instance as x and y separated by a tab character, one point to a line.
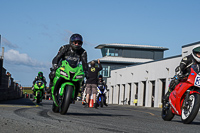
195	123
21	101
25	101
192	123
92	114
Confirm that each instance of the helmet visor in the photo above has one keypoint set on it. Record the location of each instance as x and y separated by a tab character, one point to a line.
40	75
77	42
196	50
76	38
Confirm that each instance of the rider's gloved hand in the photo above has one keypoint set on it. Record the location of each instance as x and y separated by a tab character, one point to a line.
55	66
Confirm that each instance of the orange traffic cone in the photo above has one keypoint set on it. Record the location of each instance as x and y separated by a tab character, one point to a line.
91	102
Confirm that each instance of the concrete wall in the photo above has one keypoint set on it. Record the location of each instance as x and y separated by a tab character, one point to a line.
126	80
8	88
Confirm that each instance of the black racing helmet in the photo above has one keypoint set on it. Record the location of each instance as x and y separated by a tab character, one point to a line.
100	76
77	38
40	75
195	50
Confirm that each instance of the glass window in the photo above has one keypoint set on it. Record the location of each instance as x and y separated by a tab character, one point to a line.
116	52
105	72
111	52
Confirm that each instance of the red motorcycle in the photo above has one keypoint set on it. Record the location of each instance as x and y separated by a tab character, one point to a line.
184	100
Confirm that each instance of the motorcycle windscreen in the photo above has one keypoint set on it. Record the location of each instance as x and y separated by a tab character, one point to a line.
73	61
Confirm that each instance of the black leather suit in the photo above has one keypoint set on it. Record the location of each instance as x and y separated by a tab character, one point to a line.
66	51
182	70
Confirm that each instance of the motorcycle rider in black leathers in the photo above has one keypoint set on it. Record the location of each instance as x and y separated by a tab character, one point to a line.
39	77
102	83
74	48
183	70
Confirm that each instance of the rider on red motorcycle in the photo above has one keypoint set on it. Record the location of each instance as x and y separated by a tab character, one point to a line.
183	69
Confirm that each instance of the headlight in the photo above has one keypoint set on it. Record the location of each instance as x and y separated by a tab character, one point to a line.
79	77
64	74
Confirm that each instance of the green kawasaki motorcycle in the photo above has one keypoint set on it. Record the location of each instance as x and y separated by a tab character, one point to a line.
39	87
65	83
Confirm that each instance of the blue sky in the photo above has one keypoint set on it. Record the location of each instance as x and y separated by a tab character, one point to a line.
33	30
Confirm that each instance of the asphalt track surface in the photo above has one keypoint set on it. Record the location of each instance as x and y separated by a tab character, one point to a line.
24	116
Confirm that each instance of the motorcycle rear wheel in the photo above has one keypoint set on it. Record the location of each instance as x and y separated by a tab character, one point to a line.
167	114
66	99
190	111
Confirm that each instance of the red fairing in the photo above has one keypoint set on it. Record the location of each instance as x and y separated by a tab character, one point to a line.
177	96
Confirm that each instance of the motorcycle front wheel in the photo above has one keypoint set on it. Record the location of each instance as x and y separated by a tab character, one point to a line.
190	110
66	99
102	101
167	114
38	98
55	109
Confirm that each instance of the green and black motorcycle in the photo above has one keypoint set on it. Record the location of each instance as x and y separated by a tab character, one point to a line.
67	78
39	87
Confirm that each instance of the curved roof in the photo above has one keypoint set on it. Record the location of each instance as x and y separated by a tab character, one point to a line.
118	45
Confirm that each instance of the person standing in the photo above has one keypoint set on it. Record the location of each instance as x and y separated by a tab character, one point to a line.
92	80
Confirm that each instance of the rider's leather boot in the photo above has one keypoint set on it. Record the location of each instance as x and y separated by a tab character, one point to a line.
166	96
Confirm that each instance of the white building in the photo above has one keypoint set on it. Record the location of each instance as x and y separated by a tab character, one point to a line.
149	81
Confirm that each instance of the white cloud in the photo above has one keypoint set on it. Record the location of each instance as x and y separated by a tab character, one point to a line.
14	57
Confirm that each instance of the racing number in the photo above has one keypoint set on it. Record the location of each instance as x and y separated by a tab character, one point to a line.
197	80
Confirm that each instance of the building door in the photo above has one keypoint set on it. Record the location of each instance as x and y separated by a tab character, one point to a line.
112	88
124	100
136	94
129	100
153	93
118	94
144	93
163	81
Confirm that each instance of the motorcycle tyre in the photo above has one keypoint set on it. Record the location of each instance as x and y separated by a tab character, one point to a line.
167	115
101	101
194	111
38	99
66	99
55	109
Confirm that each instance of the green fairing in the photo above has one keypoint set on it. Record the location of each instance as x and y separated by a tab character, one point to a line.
63	88
64	72
38	90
